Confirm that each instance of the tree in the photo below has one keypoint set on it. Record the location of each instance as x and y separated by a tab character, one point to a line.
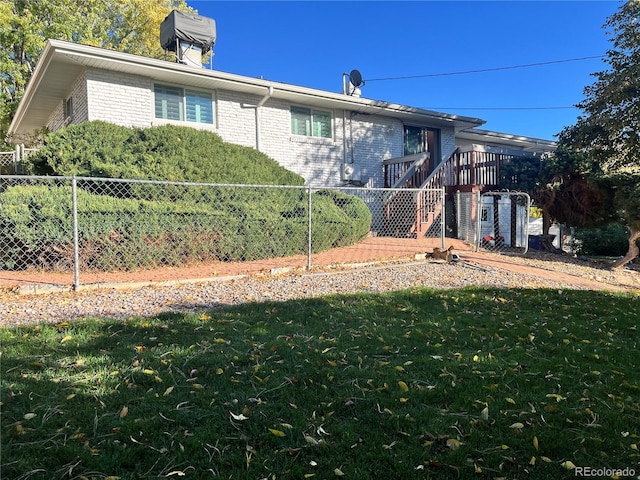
127	25
558	186
609	132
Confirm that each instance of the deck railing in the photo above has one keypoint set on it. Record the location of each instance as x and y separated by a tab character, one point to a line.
469	168
461	169
406	172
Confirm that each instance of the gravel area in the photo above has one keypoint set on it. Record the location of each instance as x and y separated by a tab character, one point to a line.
190	297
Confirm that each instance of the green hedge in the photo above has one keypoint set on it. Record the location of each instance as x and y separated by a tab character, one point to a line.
612	240
36	227
168	152
130	225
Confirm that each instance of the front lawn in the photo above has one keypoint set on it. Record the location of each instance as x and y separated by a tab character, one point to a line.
471	383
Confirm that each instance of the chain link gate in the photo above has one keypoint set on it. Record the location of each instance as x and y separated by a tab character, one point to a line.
494	221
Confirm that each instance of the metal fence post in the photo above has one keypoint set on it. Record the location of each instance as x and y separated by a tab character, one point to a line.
309	246
76	256
458	207
443	223
478	223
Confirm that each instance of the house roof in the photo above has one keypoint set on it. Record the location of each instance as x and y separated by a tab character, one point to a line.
528	144
61	62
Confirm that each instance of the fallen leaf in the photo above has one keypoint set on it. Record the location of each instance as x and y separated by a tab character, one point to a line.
535	442
310	440
239	418
403	386
168	391
517	425
29	416
124	411
277	433
569	465
556	396
338	473
453	444
484	414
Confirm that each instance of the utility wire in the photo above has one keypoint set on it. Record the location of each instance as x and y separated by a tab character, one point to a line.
483	70
500	108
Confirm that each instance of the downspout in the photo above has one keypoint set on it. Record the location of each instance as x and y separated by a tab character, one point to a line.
258	116
345	146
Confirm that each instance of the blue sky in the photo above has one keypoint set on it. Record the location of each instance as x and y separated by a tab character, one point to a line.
312	43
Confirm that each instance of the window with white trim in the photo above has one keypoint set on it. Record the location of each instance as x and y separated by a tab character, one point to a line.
67	108
175	103
310	123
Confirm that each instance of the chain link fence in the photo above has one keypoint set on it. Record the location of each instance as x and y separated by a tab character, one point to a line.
97	224
494	221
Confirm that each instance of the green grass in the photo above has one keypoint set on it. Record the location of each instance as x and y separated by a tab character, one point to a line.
471	383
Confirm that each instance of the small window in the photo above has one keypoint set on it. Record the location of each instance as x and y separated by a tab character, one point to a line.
175	103
199	107
310	123
169	103
68	108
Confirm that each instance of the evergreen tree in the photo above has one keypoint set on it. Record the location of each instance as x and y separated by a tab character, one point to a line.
609	131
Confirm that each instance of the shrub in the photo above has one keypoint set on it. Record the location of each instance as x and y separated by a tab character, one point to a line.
129	224
167	152
129	233
611	240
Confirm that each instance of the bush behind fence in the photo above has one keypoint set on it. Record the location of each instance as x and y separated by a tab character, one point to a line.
62	223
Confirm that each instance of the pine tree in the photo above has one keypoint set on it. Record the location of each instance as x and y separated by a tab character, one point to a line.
609	131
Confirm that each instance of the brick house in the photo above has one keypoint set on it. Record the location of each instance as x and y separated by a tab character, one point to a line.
330	139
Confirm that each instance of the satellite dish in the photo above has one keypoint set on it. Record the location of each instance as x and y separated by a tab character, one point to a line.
355	77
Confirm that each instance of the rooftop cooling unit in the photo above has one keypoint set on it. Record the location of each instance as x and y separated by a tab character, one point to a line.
189	35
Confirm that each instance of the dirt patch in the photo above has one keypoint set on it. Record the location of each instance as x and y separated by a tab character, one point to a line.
593	274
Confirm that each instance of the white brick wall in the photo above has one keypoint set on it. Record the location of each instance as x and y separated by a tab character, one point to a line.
365	140
375	139
236	117
79	100
317	160
119	98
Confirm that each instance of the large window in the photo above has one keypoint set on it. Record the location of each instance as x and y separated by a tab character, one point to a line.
310	123
175	103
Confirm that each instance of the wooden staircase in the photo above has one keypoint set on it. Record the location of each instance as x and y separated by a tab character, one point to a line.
415	202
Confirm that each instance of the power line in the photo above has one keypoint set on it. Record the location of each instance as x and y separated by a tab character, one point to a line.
483	70
500	108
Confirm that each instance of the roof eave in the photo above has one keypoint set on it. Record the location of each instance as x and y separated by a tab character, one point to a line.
57	52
